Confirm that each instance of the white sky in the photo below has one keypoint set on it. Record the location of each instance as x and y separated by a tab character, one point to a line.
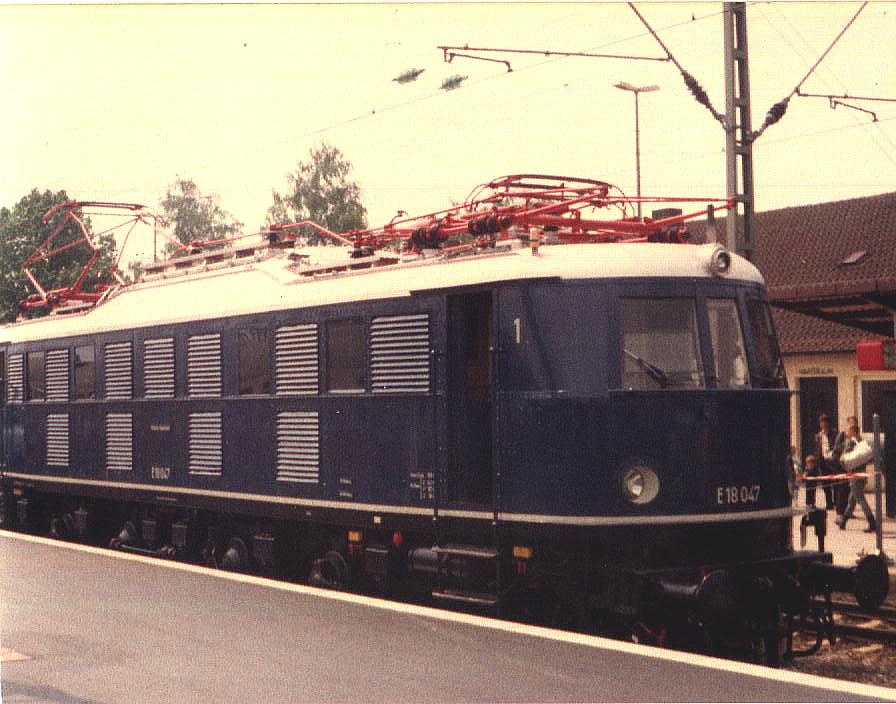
115	102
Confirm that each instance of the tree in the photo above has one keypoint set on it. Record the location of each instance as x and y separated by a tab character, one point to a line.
319	190
193	215
21	231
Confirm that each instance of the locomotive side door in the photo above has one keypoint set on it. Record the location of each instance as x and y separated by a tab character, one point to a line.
470	399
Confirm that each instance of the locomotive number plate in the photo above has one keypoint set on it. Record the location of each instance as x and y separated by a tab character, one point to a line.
737	494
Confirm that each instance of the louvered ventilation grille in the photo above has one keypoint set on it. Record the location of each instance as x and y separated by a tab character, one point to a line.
119	442
57	375
158	368
399	354
118	370
205	444
297	362
15	378
204	366
57	440
298	447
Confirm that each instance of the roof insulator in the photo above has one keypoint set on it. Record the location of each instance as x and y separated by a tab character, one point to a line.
774	114
696	89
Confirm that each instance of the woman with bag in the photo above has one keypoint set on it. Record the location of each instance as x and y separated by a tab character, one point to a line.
856	484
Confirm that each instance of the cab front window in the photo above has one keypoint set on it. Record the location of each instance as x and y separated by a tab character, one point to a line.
660	345
769	371
729	356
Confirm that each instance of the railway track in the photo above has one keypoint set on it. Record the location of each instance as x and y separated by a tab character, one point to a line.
851	621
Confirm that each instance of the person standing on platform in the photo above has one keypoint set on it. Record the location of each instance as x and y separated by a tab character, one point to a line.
824	452
856	484
810	467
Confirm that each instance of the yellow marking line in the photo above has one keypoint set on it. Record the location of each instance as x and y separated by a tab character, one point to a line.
7	655
852	688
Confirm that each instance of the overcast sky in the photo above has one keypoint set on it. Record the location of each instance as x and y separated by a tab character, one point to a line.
115	102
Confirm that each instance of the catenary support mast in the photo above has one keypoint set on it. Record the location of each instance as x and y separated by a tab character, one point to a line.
739	130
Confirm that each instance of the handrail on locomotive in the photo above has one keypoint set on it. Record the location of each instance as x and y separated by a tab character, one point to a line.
501	210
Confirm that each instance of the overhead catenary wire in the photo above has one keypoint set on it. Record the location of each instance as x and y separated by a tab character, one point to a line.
776	111
449	53
440	94
845	96
693	86
832	96
552	57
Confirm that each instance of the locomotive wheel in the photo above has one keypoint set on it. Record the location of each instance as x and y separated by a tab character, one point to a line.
769	650
209	553
62	527
329	572
236	558
128	535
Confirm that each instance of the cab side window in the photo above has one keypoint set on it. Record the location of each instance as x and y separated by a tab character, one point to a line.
84	371
346	355
255	361
37	380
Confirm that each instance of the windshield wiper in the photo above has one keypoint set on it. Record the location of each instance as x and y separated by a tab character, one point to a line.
654	372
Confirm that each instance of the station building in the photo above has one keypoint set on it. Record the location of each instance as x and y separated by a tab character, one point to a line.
831	275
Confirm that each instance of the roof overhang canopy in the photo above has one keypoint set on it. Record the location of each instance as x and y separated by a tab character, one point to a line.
866	304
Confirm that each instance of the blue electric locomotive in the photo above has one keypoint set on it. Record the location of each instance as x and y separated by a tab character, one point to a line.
519	406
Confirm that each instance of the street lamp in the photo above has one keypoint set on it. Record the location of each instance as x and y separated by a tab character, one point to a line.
622	85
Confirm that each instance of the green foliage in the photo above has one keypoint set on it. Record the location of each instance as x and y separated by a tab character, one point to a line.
21	231
319	190
195	216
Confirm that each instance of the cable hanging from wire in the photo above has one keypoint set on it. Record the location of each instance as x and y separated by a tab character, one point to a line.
776	111
699	93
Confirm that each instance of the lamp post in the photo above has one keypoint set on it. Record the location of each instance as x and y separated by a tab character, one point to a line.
622	85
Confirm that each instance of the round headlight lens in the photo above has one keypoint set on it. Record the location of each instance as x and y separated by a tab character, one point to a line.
640	484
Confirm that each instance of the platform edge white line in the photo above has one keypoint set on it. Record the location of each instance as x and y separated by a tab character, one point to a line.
817	681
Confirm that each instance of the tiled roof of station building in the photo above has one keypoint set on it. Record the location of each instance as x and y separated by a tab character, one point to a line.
806	334
802	249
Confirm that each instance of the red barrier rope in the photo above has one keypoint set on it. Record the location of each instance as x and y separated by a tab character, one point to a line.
826	477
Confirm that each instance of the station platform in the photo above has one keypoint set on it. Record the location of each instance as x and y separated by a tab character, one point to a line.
81	624
850	544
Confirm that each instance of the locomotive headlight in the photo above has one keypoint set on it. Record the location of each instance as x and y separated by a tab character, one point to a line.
640	484
720	261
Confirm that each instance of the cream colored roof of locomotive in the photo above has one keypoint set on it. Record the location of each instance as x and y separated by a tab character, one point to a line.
270	284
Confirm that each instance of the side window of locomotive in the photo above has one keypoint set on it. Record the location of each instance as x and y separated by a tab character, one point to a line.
346	355
84	372
37	389
660	345
255	361
769	370
728	352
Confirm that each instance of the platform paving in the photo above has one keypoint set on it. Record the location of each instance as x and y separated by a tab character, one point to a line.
84	625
